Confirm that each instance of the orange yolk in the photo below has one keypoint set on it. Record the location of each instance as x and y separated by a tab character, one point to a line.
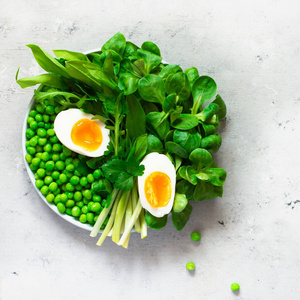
158	189
86	134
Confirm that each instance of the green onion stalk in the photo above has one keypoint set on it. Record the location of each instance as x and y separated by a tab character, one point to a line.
126	213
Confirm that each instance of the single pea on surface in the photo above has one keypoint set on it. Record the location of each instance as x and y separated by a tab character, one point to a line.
190	266
235	286
195	236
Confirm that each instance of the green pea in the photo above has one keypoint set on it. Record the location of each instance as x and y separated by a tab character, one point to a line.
39	118
42	141
40	108
30	133
32	167
42	164
68	161
28	158
39	148
90	205
54	140
63	178
96	207
190	266
69	174
76	162
63	187
70	187
48	180
82	218
96	198
63	198
50	198
33	141
30	150
76	211
60	165
62	156
67	152
39	183
180	202
41	172
57	199
45	156
90	218
235	286
83	181
36	161
44	190
87	194
41	132
55	174
33	113
50	132
33	125
27	144
86	201
56	192
69	211
57	110
80	204
74	180
53	186
41	125
70	195
38	155
46	118
90	178
77	196
50	165
84	209
97	174
29	120
52	118
195	236
47	148
56	147
61	208
47	126
70	168
55	157
78	187
70	203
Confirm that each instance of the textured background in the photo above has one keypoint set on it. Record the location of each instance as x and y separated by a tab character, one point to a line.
251	235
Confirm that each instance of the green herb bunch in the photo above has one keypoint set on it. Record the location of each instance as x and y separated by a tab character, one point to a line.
148	106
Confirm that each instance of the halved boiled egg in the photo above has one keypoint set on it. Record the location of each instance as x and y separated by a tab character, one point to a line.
78	132
157	184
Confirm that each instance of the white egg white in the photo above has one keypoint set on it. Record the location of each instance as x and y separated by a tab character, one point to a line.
155	162
64	123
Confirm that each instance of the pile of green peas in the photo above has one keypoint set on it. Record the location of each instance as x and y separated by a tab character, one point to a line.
54	167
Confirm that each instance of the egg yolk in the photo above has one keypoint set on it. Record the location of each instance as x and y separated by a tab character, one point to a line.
86	134
158	189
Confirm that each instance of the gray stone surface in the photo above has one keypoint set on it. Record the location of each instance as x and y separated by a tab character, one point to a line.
250	236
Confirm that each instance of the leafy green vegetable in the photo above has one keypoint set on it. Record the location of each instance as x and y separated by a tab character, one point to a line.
136	118
180	219
178	84
47	62
154	222
185	122
152	88
122	173
204	88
